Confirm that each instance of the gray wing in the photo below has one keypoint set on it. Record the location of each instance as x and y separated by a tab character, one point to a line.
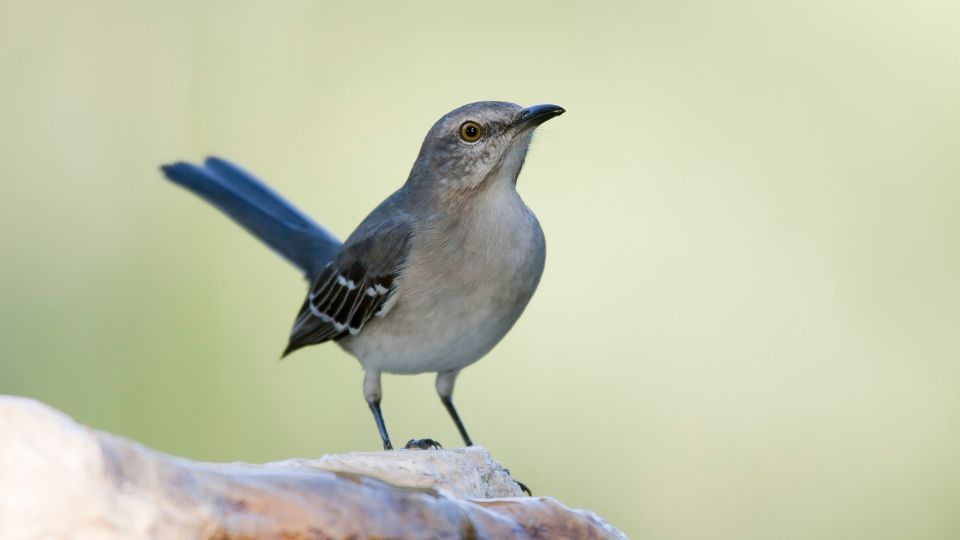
354	287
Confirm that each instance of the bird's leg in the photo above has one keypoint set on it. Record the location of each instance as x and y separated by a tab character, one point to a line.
372	393
445	382
448	403
378	418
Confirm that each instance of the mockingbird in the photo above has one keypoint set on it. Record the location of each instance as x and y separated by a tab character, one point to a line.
435	276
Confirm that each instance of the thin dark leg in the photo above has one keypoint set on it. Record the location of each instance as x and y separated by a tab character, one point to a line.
448	403
381	427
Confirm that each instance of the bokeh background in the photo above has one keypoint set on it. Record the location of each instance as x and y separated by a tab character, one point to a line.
749	324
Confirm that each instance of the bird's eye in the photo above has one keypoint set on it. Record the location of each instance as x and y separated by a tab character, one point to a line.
471	131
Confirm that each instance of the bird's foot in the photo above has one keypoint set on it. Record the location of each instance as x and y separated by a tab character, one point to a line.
422	444
523	487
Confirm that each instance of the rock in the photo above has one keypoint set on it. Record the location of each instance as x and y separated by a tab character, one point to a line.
59	479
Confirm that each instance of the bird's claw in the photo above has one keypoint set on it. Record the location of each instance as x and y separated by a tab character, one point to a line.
523	487
422	444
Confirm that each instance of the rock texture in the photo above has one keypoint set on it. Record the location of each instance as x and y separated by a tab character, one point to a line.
59	479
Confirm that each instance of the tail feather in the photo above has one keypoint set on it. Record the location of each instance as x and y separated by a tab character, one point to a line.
259	210
247	184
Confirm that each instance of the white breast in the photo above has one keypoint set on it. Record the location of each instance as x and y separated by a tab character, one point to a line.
463	288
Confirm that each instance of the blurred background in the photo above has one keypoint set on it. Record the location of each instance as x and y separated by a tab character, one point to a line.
749	324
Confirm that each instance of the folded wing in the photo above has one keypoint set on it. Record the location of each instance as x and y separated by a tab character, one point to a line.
359	284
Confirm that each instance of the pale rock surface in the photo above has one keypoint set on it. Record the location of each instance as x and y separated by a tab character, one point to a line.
59	479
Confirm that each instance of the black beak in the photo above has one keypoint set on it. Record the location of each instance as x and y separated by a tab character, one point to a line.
538	114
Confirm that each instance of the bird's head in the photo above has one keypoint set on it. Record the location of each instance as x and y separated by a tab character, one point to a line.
478	144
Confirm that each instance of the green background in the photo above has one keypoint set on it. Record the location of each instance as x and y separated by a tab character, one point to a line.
749	324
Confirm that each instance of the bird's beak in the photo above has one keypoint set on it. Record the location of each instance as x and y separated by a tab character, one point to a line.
532	117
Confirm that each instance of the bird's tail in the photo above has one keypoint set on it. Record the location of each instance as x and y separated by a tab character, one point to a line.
259	210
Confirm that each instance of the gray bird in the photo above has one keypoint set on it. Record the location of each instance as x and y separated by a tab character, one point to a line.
435	276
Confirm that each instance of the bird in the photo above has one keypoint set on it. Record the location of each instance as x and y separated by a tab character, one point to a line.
434	277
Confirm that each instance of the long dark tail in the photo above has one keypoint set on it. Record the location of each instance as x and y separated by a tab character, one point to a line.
259	210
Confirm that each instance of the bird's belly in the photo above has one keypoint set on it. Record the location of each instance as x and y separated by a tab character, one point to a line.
450	340
446	320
